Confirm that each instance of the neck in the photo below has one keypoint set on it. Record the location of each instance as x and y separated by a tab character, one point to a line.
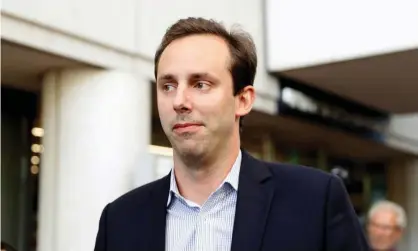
198	182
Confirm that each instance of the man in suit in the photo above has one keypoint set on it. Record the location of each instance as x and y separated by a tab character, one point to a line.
218	197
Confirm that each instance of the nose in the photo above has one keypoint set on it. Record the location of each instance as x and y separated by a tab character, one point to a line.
181	102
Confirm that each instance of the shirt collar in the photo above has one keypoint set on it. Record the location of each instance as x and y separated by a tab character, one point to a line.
232	178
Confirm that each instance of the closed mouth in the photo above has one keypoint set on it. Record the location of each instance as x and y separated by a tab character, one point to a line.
178	126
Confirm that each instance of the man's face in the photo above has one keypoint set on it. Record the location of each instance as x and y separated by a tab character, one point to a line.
197	108
383	231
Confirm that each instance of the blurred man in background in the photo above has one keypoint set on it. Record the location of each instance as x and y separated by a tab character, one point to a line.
386	224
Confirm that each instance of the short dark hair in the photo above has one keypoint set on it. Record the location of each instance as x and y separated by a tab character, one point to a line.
241	46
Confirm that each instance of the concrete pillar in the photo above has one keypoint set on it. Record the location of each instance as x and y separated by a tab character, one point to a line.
269	148
403	189
97	132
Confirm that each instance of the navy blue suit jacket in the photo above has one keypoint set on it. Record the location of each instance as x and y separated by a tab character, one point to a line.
279	207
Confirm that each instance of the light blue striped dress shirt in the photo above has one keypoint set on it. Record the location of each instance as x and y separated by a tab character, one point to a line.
191	227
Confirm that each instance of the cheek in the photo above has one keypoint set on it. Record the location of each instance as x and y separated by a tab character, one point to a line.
218	105
218	112
164	111
396	236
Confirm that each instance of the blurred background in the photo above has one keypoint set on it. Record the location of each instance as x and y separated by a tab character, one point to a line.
337	90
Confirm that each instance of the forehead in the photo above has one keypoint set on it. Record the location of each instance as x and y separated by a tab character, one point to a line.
384	216
195	53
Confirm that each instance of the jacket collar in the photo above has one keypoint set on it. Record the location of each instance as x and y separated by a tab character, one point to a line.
232	179
255	193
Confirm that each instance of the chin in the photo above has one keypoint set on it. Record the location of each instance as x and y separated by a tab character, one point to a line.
380	247
189	148
186	142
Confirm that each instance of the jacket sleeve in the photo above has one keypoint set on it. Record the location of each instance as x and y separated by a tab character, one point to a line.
343	230
100	244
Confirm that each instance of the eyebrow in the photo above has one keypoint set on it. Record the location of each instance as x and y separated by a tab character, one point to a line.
200	75
197	75
165	77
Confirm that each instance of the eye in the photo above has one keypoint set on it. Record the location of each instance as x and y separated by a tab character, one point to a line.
202	85
168	87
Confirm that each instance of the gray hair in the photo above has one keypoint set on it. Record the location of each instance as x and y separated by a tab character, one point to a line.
392	206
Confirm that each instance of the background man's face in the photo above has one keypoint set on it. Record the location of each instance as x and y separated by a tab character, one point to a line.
383	231
195	98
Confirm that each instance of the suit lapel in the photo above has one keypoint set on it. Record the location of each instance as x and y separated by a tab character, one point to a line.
157	228
255	193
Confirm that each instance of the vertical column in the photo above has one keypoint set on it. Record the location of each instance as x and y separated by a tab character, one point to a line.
96	131
412	208
269	149
403	189
322	160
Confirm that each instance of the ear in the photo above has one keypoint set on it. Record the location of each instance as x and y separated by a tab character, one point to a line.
244	101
